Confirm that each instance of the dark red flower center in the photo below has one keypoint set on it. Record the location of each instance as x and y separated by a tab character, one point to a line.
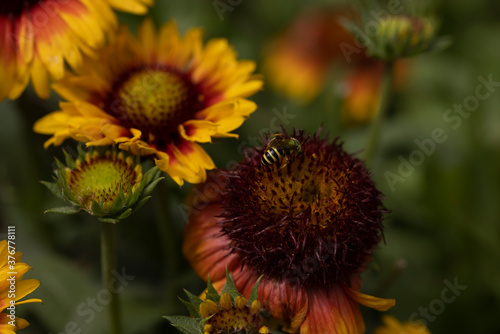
315	218
16	7
154	100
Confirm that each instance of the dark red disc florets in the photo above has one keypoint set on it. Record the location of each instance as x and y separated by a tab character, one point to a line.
313	217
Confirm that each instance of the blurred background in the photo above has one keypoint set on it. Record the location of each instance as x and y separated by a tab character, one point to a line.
444	228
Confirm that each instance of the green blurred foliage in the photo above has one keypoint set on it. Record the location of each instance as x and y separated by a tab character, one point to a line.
444	224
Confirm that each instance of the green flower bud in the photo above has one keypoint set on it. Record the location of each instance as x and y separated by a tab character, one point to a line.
107	183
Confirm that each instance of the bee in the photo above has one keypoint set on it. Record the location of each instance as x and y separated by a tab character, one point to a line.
280	146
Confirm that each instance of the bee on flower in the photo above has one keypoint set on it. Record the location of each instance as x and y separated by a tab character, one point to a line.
280	147
308	229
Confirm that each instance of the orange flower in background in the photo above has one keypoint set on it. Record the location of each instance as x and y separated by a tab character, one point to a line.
307	224
362	90
8	323
315	47
298	61
156	95
393	326
37	37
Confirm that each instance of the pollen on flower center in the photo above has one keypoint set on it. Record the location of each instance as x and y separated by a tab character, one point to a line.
232	317
302	184
314	220
101	178
154	101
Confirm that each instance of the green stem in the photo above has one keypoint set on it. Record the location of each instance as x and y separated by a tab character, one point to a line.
384	98
108	263
169	237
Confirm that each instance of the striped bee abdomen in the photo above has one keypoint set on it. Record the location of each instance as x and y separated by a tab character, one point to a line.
271	156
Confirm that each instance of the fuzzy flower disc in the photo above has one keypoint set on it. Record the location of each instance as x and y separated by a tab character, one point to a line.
101	179
154	101
159	94
316	219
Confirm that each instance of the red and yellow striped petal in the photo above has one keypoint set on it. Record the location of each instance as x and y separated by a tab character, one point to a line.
210	81
38	39
204	247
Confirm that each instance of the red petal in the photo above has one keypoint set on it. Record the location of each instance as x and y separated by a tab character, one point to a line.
204	246
286	302
332	311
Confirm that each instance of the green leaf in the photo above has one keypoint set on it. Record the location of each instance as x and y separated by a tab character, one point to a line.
81	152
65	210
60	165
70	162
254	294
151	186
151	174
230	287
212	294
185	324
125	214
193	310
193	299
97	209
54	189
118	204
141	203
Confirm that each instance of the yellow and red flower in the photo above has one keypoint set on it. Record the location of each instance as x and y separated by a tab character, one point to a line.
8	322
156	95
308	226
298	61
37	38
315	47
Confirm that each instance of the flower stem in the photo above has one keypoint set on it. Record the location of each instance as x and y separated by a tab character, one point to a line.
384	98
107	266
169	240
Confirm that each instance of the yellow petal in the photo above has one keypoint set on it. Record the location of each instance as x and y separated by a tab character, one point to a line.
198	130
51	123
131	6
147	38
244	90
26	39
376	303
39	79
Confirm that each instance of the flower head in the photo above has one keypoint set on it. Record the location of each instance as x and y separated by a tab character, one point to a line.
307	226
10	262
228	312
393	326
389	37
362	89
159	95
299	59
39	36
105	183
316	46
